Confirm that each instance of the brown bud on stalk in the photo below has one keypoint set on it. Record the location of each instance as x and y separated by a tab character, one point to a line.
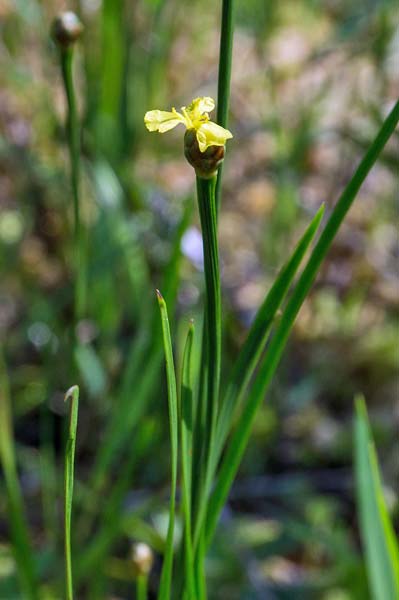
142	558
205	163
66	29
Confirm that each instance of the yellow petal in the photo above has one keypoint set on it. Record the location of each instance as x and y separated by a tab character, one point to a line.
203	105
211	134
162	120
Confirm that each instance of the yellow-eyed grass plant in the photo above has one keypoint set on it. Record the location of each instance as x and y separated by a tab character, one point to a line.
216	413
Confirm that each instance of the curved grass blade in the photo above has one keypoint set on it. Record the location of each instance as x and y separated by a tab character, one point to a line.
269	365
259	333
166	576
251	352
380	546
186	431
15	505
73	395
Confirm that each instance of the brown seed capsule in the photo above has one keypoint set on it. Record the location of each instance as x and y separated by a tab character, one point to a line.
205	163
66	29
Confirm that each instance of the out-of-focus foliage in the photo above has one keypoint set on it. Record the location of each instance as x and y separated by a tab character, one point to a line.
311	84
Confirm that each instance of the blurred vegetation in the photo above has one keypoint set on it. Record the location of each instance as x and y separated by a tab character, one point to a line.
312	81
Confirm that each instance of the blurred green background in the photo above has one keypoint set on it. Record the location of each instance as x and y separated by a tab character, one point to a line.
312	81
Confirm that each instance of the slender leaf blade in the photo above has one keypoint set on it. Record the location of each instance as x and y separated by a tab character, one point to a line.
186	429
166	576
15	505
380	546
252	350
270	363
259	333
73	395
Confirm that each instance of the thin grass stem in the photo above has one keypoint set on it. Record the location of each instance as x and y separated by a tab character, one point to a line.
186	433
142	587
16	510
167	568
224	77
73	395
73	133
212	335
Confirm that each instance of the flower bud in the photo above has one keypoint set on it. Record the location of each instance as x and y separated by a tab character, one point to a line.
66	29
205	163
142	558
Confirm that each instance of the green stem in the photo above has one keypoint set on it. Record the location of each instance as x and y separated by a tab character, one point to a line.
73	132
15	505
167	567
225	61
73	394
212	336
186	434
142	587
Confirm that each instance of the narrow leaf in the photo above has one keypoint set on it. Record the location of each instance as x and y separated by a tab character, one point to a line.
186	428
166	576
269	365
380	546
251	352
259	333
15	504
73	395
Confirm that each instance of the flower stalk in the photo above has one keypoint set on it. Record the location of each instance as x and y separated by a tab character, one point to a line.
224	77
66	30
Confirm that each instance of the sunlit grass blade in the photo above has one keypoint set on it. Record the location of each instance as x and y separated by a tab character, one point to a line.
72	395
379	543
186	430
239	441
252	350
259	333
16	510
167	568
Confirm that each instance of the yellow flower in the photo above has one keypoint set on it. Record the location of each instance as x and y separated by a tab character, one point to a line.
193	117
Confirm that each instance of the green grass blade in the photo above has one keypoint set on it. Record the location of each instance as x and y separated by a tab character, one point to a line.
16	510
259	333
252	350
186	429
73	395
242	433
166	576
380	545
